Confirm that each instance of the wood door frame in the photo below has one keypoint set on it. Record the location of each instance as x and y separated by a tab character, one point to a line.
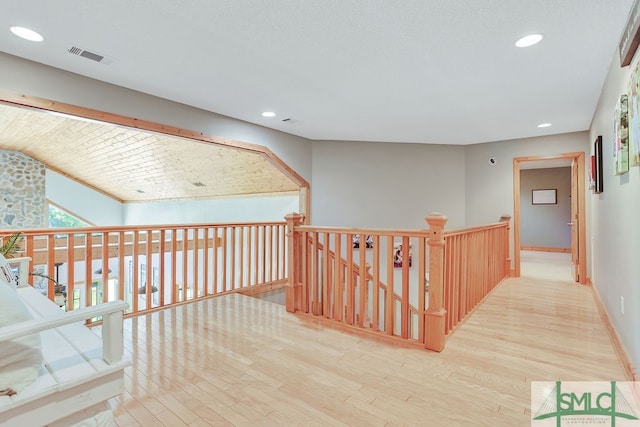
582	226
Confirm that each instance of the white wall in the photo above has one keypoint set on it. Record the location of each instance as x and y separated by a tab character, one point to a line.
386	185
102	210
615	223
545	225
250	209
88	204
22	76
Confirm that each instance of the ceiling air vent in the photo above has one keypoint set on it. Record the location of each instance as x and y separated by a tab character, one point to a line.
96	57
291	121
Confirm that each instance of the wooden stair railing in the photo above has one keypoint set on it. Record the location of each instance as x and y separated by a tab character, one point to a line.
343	286
464	266
176	263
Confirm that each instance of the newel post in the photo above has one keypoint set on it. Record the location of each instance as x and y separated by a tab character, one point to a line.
507	263
294	286
435	316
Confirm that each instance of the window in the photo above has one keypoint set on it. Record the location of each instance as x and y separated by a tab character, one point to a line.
60	218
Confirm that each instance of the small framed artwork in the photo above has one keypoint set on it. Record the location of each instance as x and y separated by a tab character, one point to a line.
368	241
598	168
544	197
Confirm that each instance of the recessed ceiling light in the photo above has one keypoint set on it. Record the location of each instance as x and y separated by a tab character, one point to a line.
268	114
529	40
544	125
27	34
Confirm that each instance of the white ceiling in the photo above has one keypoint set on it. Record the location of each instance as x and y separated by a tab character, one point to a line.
423	71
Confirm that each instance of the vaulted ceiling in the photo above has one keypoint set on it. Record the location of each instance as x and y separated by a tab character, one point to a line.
135	165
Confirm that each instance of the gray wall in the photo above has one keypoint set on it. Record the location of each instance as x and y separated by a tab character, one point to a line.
489	187
615	223
386	185
545	225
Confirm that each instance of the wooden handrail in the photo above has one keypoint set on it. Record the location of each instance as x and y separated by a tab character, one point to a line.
114	228
365	231
478	228
327	283
157	265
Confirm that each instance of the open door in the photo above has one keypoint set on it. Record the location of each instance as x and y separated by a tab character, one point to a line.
577	221
574	222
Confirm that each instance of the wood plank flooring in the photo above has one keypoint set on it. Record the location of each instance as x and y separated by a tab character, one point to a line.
237	360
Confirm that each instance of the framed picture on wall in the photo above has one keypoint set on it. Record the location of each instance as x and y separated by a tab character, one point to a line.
544	197
598	168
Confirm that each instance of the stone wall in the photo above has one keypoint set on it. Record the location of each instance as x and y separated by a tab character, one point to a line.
22	191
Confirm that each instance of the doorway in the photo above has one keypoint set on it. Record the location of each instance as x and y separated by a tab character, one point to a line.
577	222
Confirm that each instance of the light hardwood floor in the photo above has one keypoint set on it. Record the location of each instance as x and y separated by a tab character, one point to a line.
237	360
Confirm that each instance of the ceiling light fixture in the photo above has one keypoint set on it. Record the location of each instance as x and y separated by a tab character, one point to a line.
544	125
268	114
27	34
529	40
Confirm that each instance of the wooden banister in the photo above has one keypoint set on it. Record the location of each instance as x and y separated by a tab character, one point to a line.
435	314
293	287
174	263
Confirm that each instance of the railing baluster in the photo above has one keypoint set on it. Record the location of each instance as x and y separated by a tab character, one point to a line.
422	246
174	269
364	280
326	277
224	259
404	302
105	267
162	264
184	295
205	261
350	308
232	283
51	261
88	271
196	263
389	304
263	252
242	263
71	271
376	283
250	280
216	246
305	276
135	262
148	283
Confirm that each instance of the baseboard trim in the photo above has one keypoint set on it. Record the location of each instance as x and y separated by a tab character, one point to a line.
630	371
265	287
545	249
